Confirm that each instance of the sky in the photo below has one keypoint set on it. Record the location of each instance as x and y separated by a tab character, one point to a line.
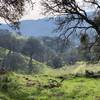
30	14
35	13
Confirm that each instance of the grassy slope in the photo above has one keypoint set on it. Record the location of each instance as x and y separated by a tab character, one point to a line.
79	67
15	86
38	67
78	88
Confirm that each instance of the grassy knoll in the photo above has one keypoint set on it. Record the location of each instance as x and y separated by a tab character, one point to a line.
48	86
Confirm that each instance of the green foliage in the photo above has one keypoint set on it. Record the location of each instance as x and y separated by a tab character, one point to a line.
4	97
19	63
96	49
8	41
84	39
37	67
56	62
32	46
15	61
48	86
19	51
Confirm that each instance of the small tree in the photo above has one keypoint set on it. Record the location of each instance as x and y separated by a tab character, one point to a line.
31	48
96	49
15	62
56	62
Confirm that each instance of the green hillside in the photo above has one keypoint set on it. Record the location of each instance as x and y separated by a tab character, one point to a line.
43	82
48	85
58	58
20	62
44	87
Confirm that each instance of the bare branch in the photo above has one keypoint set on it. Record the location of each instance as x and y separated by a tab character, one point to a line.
13	10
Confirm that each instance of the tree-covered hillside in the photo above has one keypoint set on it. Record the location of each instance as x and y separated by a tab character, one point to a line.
61	67
25	74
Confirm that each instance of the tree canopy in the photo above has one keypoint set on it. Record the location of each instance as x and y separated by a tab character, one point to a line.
73	15
12	10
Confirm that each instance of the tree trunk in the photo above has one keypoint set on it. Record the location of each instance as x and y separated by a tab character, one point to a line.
97	30
30	64
5	58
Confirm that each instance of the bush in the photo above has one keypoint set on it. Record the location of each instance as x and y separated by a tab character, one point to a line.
56	62
15	62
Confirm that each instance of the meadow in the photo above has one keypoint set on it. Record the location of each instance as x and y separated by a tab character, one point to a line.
58	84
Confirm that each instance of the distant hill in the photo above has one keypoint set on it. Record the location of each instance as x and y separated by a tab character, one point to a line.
40	27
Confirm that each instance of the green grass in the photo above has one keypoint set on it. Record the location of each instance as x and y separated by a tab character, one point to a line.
78	88
79	67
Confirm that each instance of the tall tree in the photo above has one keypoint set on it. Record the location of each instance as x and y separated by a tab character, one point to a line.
9	41
96	49
31	48
72	15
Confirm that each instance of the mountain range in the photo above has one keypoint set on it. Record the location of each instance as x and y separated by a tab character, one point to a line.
40	27
37	28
